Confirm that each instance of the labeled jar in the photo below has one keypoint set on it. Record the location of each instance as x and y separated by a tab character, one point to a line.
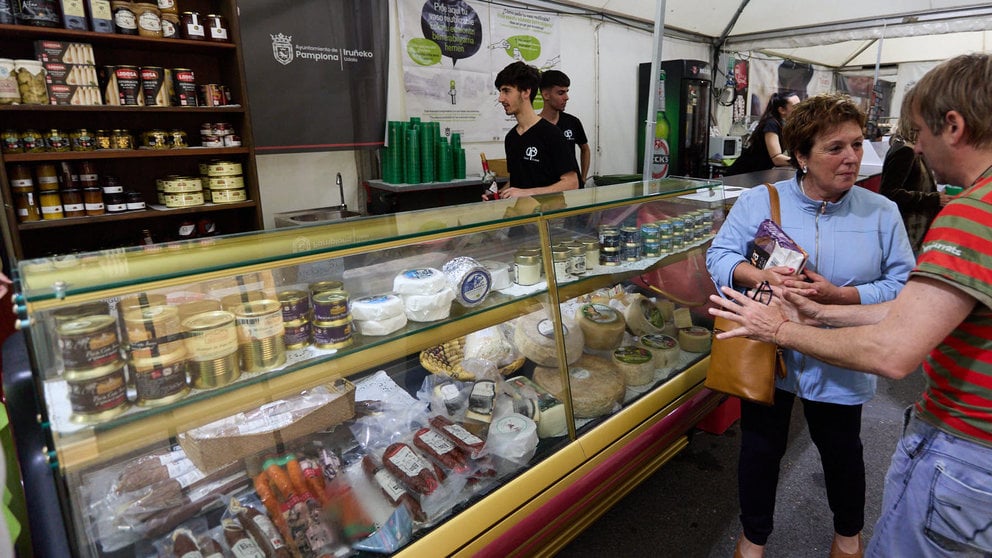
10	142
330	306
134	201
217	28
31	82
57	141
167	7
592	253
170	26
125	21
155	139
26	204
526	269
93	201
191	26
88	342
560	257
115	203
51	205
153	330
48	178
87	175
104	139
178	139
82	140
72	203
33	141
336	334
9	93
121	139
149	19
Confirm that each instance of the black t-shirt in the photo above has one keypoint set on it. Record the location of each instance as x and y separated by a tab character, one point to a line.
755	157
575	135
538	157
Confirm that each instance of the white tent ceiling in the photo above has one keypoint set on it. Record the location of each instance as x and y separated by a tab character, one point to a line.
834	34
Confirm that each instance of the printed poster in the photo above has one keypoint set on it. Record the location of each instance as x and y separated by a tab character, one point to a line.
452	51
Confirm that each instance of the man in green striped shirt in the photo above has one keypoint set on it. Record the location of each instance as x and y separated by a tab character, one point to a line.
938	491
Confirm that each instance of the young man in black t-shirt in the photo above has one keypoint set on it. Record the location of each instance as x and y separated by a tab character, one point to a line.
554	91
537	155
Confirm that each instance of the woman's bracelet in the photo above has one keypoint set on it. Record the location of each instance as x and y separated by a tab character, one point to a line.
775	333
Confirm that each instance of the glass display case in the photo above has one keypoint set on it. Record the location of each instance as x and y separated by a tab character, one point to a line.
395	384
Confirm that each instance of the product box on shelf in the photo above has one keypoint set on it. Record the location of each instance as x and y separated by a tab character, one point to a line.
73	14
211	452
64	52
78	95
70	74
100	16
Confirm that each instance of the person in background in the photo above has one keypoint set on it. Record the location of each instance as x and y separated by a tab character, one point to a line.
938	490
907	180
538	158
858	253
764	146
554	91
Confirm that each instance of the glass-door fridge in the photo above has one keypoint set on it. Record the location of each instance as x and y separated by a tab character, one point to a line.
687	108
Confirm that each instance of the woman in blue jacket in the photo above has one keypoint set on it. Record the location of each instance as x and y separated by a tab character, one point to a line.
858	254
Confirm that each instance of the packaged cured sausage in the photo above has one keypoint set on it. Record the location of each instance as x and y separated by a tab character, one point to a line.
261	528
441	449
469	443
184	544
391	487
411	469
242	545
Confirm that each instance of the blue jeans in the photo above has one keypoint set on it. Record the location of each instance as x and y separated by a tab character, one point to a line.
938	497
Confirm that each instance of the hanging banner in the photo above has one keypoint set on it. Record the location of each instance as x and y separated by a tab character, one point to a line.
316	73
452	51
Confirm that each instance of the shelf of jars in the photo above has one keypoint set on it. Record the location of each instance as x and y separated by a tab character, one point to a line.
125	154
110	109
114	39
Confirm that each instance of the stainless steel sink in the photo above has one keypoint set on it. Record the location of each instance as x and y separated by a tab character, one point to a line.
313	216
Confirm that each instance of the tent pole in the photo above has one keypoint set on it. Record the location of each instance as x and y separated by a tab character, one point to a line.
876	91
654	99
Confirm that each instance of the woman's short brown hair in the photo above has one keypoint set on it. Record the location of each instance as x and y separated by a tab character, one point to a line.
814	116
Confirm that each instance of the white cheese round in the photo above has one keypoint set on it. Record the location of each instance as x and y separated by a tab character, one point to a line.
500	273
534	337
429	307
665	348
376	307
469	279
602	326
384	326
419	281
596	385
635	363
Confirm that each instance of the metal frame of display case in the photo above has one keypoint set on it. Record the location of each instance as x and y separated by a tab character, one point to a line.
543	506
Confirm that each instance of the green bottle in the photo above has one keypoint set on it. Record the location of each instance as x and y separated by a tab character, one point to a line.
660	158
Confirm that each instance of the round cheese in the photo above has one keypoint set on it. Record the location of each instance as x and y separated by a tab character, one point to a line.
428	307
500	273
595	385
635	363
642	316
384	326
376	307
420	281
602	326
695	339
469	279
665	348
667	308
534	337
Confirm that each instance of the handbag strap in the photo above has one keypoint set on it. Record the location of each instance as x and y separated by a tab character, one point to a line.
773	200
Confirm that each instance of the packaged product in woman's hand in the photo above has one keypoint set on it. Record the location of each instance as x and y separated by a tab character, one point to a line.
772	247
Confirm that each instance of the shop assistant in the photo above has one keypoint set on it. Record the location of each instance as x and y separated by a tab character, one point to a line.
538	158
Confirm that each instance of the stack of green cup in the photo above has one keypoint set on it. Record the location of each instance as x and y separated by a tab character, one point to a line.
392	155
411	156
428	153
458	155
445	164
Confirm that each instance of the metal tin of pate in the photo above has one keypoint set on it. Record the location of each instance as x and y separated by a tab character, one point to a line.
212	344
223	168
330	306
89	342
160	380
153	331
609	256
260	335
295	305
232	301
296	335
325	287
97	394
70	313
225	182
185	199
335	334
227	196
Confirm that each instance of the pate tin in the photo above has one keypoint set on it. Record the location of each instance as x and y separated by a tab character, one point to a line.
330	306
97	394
335	334
296	335
153	331
295	305
260	335
212	343
89	342
160	380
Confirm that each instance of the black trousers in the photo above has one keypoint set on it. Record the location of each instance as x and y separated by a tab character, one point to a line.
836	431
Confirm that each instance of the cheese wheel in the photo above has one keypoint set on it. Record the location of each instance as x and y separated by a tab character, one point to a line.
601	325
551	411
469	279
667	308
665	348
695	339
534	337
376	307
420	281
385	326
429	307
635	363
683	318
642	316
500	273
595	384
490	344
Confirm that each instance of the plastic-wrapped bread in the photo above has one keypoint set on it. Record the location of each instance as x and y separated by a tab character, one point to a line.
534	336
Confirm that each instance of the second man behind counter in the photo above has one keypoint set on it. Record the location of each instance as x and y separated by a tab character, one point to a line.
554	92
538	158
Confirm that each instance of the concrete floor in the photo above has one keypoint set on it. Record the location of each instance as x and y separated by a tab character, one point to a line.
689	508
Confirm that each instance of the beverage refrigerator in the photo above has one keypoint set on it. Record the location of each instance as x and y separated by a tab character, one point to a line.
687	108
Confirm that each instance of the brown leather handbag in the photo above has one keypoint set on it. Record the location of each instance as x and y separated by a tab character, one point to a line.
741	366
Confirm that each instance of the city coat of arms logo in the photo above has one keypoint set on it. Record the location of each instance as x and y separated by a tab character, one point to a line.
282	48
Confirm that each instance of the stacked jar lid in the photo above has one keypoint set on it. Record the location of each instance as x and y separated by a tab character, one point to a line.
223	181
332	323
